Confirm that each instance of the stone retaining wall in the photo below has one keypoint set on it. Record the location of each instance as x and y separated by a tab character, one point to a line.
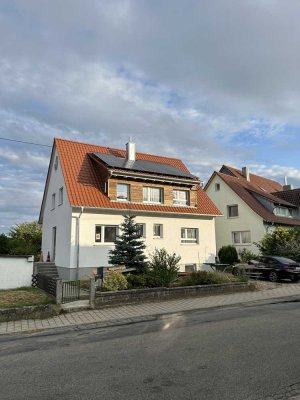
154	294
30	312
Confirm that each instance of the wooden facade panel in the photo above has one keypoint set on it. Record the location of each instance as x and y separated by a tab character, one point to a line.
136	191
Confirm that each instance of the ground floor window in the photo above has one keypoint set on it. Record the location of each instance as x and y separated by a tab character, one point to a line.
241	237
141	229
189	235
157	231
105	233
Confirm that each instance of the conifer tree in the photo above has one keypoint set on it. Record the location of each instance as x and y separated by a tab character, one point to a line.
129	246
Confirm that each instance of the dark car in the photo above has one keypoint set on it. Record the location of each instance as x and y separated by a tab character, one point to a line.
271	267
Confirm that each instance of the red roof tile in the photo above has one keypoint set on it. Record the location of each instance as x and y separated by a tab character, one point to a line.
83	185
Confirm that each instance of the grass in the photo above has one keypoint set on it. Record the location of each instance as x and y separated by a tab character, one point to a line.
25	296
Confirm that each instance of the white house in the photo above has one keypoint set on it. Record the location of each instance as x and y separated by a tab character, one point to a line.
251	206
90	188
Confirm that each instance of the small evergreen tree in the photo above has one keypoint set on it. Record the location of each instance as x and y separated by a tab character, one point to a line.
129	246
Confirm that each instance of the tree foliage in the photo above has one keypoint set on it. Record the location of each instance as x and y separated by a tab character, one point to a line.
281	242
25	239
129	246
163	267
4	244
228	255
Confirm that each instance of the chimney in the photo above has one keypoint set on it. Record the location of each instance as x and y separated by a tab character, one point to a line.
246	173
130	150
286	186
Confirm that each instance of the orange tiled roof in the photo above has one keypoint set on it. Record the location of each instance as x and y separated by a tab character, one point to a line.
83	185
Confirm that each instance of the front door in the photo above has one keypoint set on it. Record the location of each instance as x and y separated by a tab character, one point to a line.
53	243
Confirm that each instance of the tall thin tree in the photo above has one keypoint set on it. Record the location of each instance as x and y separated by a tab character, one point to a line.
129	246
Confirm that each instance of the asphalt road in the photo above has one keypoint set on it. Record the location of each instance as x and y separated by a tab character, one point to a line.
245	353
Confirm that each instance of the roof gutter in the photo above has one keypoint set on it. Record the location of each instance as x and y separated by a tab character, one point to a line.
127	210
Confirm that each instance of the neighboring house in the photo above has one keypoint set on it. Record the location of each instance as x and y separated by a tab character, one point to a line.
90	188
249	206
292	196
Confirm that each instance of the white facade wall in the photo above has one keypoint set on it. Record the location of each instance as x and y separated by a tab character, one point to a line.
59	217
15	271
93	255
247	220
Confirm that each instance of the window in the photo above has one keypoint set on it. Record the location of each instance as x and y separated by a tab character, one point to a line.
60	196
282	212
217	187
180	197
232	211
241	237
189	235
157	231
152	195
53	201
122	192
141	228
105	233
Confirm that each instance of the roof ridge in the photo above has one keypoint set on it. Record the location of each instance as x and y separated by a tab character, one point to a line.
116	149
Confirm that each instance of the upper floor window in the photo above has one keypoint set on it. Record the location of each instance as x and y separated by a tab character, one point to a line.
189	235
282	212
122	192
53	201
105	233
152	195
180	197
217	187
241	237
61	196
232	211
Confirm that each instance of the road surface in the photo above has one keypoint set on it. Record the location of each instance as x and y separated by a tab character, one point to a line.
244	353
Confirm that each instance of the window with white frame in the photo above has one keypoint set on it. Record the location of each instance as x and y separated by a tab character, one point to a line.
141	228
217	187
241	237
60	196
232	211
282	212
157	231
53	201
180	197
189	235
152	195
105	233
122	192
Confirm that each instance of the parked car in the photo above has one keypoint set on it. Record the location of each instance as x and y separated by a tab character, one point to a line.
271	267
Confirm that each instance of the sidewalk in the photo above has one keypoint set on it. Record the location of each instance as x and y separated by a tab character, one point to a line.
138	312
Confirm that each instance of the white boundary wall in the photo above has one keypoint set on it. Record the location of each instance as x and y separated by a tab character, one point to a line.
15	271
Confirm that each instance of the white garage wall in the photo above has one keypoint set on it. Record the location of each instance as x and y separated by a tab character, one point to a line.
15	271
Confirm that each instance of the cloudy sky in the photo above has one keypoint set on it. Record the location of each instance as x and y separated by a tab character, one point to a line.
210	81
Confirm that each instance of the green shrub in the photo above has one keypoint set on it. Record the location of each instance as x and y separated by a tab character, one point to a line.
246	256
139	281
115	281
228	255
163	267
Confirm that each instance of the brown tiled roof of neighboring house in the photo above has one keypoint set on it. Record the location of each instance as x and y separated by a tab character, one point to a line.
259	182
292	196
83	184
246	190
